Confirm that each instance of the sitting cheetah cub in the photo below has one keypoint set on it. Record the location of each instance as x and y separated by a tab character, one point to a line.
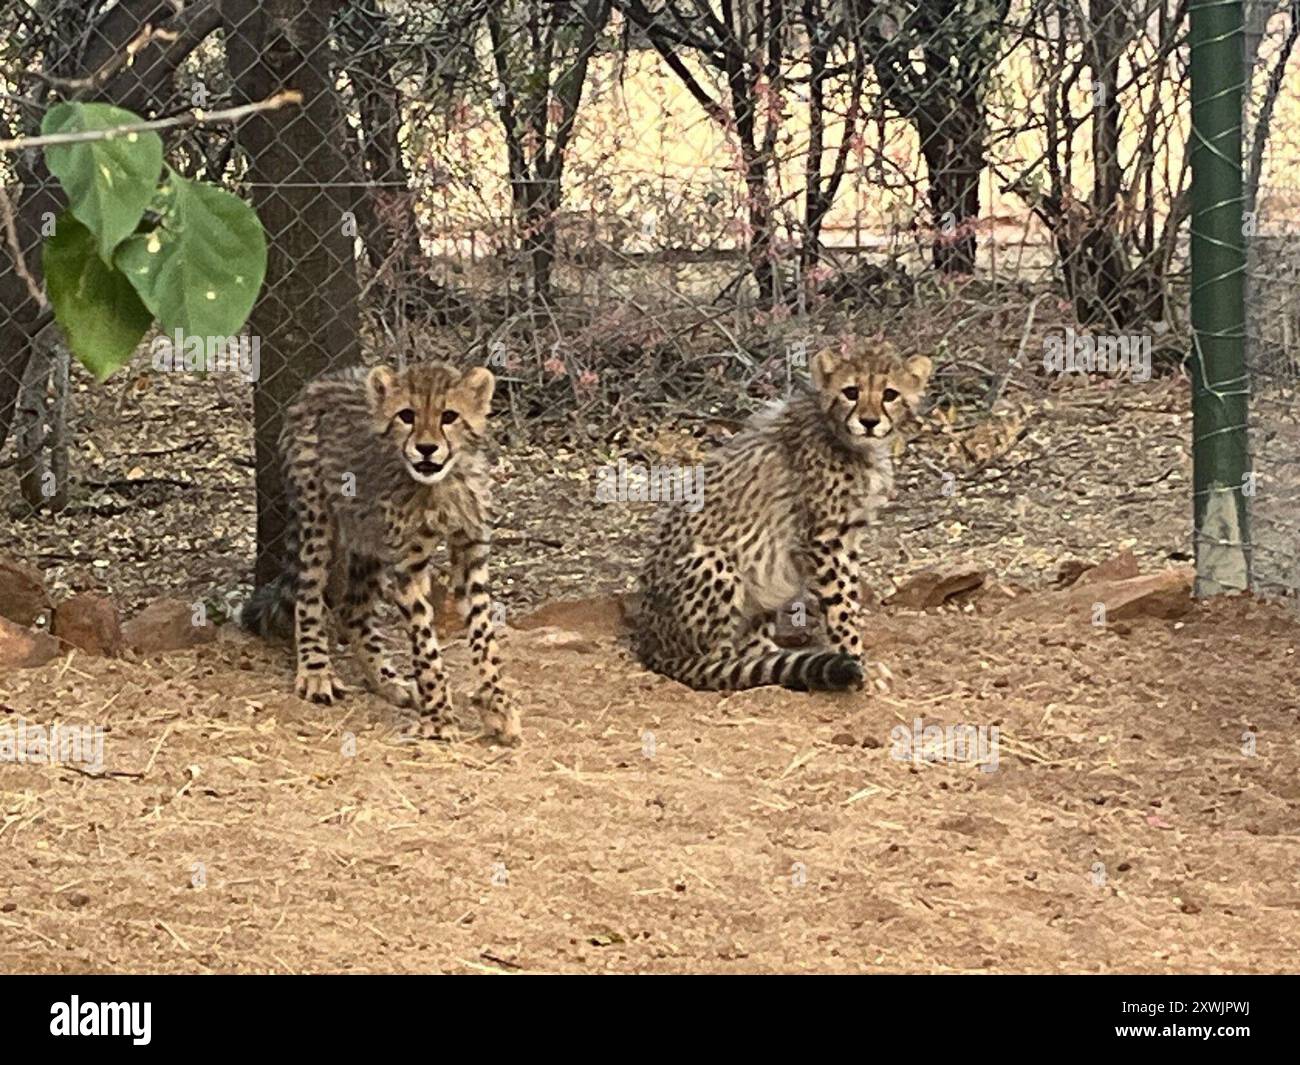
785	504
381	467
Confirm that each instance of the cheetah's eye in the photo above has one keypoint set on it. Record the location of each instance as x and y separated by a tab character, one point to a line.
406	416
889	395
449	416
851	394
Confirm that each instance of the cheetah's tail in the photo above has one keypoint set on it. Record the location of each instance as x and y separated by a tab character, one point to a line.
796	670
269	611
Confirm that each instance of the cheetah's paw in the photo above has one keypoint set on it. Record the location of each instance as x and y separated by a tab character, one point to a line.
500	715
319	686
433	728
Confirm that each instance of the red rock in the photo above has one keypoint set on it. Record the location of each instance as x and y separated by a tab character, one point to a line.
1070	571
931	588
23	597
603	616
558	640
446	615
1167	594
166	625
1116	568
21	647
89	623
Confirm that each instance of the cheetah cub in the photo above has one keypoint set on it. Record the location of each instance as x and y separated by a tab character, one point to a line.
381	467
785	505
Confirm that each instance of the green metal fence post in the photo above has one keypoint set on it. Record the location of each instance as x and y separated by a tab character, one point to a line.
1220	453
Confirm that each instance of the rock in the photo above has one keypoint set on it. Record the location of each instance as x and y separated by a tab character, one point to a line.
23	597
446	618
554	639
1073	572
166	625
1116	568
89	623
931	588
1070	571
20	647
603	616
1166	594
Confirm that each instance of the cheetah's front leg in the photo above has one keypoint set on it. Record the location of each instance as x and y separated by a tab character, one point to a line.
469	560
433	700
315	678
836	584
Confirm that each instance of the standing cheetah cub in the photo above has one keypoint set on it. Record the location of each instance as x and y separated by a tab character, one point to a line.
785	505
381	467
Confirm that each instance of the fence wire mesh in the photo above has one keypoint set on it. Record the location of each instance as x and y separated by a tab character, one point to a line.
624	207
1271	159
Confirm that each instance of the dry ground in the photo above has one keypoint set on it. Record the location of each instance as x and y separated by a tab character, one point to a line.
643	827
646	828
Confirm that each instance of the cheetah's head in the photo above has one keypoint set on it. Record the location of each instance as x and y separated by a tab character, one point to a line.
431	412
868	395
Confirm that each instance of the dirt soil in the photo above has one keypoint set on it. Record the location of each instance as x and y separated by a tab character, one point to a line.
1128	825
646	828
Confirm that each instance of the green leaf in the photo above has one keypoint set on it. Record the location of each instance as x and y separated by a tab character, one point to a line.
109	182
201	269
100	313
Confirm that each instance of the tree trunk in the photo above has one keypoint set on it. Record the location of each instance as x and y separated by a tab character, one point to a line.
760	227
539	238
953	148
385	203
306	315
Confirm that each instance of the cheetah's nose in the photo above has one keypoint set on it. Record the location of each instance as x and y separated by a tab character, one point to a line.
426	450
869	424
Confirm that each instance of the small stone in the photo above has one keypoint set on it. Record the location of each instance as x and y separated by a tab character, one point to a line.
166	625
23	598
21	647
932	588
89	623
1119	567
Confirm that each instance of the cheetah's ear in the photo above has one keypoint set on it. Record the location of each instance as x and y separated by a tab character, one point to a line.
380	383
478	385
920	367
822	366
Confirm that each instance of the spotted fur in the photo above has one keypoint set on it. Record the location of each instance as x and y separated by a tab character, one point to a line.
383	467
785	506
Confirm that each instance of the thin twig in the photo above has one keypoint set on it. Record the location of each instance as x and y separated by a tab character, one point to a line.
99	78
16	250
195	117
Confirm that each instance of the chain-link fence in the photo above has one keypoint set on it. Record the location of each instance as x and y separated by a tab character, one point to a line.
624	206
1270	159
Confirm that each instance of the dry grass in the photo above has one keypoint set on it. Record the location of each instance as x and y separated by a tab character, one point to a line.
1124	828
765	831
